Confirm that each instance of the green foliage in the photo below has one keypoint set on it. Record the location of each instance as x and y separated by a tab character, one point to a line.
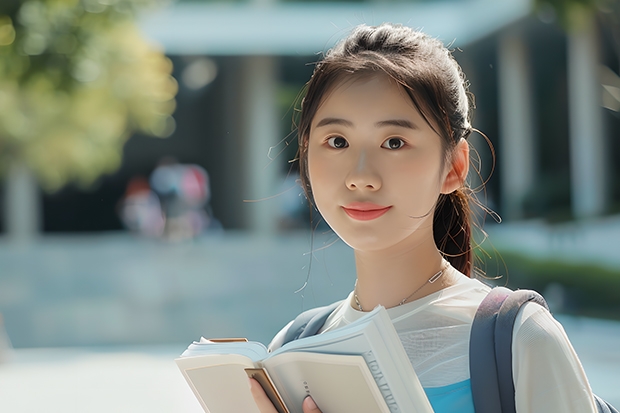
591	289
76	79
573	13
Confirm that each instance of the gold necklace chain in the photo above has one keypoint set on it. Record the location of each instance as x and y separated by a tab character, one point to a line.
431	280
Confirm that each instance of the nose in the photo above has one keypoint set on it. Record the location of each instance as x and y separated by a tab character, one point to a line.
363	175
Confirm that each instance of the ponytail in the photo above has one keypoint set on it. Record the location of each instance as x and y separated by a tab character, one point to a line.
452	230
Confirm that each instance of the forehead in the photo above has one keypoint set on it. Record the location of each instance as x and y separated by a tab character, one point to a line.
368	96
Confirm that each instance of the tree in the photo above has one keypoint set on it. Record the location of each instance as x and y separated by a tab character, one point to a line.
76	80
574	14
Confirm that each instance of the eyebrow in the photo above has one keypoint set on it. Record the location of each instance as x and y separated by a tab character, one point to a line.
401	123
334	121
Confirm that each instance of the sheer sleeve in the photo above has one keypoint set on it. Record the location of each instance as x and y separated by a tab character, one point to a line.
278	340
547	373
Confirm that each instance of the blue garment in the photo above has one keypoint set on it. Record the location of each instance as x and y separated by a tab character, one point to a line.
455	397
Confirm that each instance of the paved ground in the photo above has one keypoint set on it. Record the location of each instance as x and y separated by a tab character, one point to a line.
76	380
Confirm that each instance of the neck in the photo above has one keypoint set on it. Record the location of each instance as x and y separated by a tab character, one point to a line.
387	277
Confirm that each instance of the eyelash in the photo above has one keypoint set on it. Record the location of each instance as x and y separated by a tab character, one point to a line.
331	142
401	142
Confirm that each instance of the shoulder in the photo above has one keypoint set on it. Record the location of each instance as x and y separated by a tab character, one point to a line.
535	327
547	373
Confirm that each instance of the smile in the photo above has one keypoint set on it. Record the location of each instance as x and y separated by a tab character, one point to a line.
365	211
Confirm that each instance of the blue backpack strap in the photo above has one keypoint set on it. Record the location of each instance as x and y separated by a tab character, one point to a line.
309	322
504	326
482	362
490	349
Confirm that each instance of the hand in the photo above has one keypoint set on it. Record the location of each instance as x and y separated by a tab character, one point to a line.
265	405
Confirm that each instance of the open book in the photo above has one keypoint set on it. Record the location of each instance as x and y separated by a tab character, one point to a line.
361	367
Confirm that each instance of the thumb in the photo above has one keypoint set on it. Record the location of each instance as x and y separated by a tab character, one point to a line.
309	406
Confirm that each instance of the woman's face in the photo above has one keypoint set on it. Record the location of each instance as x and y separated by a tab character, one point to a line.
375	165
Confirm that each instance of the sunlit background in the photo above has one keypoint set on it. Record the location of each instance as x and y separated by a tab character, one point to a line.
148	189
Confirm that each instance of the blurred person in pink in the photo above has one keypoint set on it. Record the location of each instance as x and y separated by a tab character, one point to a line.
140	209
184	191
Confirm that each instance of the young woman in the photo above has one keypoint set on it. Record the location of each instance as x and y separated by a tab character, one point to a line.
384	157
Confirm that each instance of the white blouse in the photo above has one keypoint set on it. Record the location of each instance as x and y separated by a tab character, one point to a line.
435	333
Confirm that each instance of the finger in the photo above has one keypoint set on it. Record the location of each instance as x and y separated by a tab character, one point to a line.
309	406
260	398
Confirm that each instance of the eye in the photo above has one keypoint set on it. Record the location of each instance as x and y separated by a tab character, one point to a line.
393	143
337	142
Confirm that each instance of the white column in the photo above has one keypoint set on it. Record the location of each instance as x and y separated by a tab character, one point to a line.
587	147
261	132
517	158
22	202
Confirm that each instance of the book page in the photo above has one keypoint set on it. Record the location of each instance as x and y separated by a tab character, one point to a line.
336	383
374	338
251	349
220	382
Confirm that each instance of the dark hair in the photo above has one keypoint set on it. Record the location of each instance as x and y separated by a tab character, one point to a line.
426	70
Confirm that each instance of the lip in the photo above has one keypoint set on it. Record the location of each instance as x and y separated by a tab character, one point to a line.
365	211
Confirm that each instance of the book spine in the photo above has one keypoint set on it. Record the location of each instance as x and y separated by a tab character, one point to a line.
384	387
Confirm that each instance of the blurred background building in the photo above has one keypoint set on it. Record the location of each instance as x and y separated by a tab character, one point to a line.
547	93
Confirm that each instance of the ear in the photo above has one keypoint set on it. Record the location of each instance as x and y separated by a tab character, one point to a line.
458	169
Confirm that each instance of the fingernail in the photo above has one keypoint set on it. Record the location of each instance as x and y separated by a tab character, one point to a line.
310	403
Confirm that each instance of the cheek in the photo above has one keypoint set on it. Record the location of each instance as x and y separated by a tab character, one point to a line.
325	181
312	170
414	179
320	172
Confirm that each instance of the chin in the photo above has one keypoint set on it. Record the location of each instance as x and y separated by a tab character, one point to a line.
366	240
